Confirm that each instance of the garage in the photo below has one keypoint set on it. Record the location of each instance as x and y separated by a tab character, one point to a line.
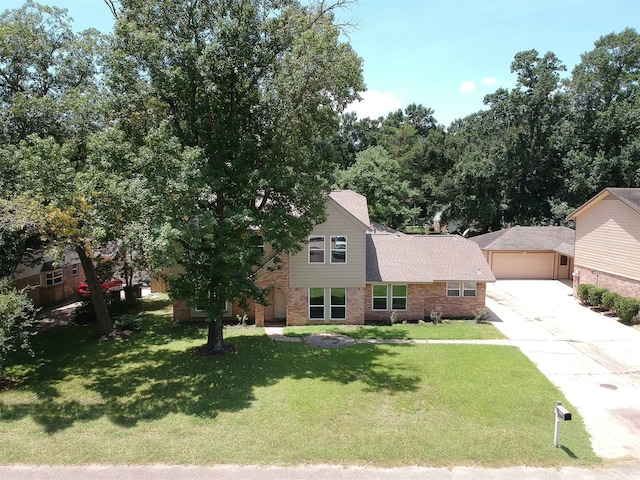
525	265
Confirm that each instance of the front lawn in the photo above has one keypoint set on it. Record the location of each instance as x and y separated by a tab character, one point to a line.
449	330
149	398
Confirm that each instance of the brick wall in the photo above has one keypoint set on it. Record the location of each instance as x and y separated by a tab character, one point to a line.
423	298
298	308
42	296
614	283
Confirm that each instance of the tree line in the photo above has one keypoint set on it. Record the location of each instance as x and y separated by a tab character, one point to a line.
530	157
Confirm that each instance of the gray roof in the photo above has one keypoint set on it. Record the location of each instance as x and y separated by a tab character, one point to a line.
551	238
354	203
425	259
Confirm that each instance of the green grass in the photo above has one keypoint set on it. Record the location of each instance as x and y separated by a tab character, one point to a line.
451	330
150	398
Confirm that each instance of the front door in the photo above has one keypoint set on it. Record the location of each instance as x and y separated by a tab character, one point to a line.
279	305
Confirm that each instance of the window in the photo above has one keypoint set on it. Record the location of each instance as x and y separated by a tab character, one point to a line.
339	249
338	303
53	278
381	300
74	270
462	289
379	297
316	249
316	303
564	260
398	297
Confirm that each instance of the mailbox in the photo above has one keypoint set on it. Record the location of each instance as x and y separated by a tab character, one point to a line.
562	413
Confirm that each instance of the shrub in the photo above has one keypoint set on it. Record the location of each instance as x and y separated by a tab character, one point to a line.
594	296
17	315
583	292
626	309
609	300
481	315
436	315
393	318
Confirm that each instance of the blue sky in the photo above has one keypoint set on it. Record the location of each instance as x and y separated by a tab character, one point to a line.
445	54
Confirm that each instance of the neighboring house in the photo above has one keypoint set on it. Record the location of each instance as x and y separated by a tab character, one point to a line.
608	241
529	252
52	282
352	271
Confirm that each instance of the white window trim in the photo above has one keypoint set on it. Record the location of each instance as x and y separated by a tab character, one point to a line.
331	249
53	278
406	297
331	305
324	304
309	249
390	296
386	297
461	289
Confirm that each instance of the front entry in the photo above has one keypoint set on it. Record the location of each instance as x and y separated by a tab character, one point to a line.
279	305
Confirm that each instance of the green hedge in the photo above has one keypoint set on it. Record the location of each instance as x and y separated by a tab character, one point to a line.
625	308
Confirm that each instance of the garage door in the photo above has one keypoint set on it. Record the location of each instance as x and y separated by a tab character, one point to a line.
522	265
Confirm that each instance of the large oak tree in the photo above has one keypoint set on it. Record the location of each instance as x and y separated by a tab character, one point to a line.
250	90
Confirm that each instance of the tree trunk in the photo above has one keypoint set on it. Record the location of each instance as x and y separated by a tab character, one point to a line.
215	338
105	324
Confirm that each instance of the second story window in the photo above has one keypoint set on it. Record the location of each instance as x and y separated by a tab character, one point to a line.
339	249
316	249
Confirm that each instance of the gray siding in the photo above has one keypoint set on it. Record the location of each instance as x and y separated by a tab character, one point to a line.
349	274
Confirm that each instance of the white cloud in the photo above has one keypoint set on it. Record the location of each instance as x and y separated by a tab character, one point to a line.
489	81
467	87
375	104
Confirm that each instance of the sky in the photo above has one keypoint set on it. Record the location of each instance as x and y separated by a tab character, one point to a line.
444	54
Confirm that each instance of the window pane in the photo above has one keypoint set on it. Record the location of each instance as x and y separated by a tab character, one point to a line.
380	291
399	303
316	313
338	313
338	296
564	260
399	290
380	303
470	289
453	289
339	249
316	249
316	296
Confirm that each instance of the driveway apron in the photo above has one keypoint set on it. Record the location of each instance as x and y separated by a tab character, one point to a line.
591	357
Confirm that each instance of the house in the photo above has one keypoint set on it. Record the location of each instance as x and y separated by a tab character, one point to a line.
607	246
529	252
53	282
352	271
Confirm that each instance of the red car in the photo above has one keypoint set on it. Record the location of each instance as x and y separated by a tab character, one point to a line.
110	286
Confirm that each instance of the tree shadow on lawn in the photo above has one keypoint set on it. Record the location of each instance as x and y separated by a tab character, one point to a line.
151	375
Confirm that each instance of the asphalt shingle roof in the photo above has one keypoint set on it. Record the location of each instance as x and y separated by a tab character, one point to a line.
425	259
551	238
354	203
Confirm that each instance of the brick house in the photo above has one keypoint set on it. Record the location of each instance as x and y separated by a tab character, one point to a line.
607	243
53	282
352	271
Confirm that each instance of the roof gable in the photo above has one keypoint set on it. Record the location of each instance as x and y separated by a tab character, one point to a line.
354	204
424	259
628	196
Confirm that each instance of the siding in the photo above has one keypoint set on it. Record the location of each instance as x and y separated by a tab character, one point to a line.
608	239
350	274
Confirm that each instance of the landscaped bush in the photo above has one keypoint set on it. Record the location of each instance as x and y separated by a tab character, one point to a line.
594	297
626	309
609	300
583	292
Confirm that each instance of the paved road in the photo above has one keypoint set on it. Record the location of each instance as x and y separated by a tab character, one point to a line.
591	357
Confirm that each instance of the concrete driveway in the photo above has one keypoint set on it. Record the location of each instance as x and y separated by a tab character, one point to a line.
592	358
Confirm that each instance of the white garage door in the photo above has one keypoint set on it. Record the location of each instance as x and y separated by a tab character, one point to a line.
522	265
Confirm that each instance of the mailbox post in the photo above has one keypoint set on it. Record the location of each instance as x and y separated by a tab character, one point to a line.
562	415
